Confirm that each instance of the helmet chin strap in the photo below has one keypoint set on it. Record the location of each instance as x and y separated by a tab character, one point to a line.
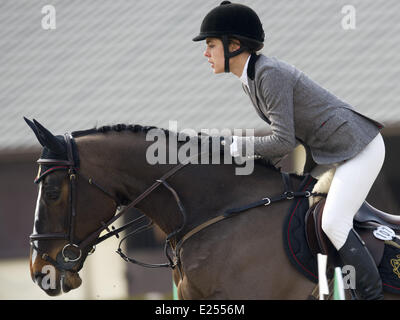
227	54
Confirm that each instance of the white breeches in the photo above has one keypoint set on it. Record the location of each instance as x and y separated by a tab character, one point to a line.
350	186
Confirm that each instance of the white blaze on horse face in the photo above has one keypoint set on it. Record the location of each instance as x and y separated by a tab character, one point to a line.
33	256
39	172
37	208
34	253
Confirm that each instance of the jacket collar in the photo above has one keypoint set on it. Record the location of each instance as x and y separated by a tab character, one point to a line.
251	68
244	77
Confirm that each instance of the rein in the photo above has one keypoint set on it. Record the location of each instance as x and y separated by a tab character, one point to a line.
67	263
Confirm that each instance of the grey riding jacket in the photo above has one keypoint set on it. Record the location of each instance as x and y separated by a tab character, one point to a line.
301	111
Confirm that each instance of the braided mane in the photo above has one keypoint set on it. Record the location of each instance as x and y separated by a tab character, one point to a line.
183	138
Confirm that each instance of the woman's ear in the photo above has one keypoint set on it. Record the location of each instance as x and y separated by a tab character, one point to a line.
234	45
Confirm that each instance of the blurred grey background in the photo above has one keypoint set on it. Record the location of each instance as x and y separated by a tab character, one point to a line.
109	62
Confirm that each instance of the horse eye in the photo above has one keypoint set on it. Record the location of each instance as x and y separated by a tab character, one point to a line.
52	193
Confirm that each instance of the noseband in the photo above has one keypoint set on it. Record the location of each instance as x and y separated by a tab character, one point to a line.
65	261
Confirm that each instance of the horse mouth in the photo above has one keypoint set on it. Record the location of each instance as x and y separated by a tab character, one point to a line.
67	281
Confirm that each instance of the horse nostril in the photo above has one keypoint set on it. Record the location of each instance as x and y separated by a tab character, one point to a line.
37	277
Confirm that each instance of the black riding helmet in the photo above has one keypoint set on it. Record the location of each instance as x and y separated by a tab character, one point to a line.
232	20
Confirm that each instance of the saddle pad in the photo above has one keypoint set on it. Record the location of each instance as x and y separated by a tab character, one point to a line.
294	237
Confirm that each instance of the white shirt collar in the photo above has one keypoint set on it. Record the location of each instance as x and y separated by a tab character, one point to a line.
243	77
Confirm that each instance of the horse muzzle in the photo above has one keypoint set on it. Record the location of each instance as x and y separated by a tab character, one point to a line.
55	276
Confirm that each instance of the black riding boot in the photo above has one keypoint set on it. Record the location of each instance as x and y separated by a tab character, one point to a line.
368	281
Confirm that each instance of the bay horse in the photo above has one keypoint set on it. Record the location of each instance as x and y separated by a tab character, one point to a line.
84	177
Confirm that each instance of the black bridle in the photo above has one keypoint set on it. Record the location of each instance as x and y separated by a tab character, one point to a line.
65	261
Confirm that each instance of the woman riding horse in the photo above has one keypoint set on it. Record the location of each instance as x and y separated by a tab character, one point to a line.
301	111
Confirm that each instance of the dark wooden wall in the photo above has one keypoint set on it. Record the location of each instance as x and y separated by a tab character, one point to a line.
18	196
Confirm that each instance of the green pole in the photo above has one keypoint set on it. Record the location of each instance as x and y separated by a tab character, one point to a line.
174	290
338	293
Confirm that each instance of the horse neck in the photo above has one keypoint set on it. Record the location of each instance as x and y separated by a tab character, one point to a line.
205	191
117	161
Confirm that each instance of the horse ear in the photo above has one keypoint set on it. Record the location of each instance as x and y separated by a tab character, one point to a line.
48	139
35	130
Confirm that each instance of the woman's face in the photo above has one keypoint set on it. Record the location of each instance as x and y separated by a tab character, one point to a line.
215	54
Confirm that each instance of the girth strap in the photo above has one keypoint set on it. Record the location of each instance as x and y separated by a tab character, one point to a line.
287	195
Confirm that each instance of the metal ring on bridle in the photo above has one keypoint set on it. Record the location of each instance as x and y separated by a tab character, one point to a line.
289	195
67	259
268	201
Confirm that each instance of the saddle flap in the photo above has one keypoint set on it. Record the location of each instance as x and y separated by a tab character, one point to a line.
375	246
318	242
316	238
311	237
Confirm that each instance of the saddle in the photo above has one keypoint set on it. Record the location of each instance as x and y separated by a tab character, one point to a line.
303	238
378	231
366	219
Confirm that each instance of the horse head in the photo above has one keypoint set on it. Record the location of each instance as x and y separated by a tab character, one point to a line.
68	211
